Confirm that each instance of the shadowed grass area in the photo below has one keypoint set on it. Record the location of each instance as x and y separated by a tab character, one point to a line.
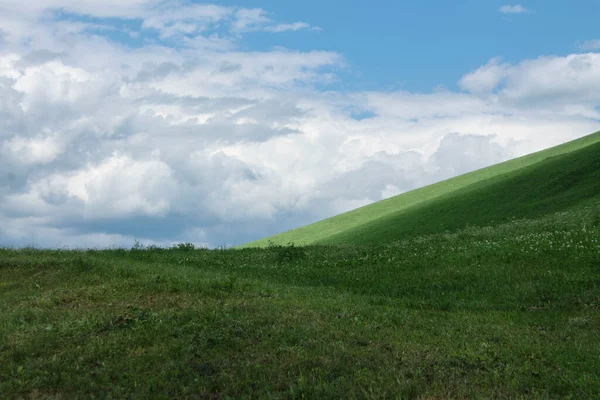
395	217
489	312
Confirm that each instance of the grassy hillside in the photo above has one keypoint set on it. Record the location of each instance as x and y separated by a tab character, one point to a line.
505	312
395	217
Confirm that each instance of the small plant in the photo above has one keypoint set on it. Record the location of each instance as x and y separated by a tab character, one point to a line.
596	219
137	246
288	253
185	246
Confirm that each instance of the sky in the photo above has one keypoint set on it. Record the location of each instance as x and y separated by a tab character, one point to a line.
169	121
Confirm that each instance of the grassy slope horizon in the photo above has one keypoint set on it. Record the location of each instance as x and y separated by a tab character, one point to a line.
367	223
510	311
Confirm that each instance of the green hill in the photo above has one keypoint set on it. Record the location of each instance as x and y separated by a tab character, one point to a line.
510	311
534	185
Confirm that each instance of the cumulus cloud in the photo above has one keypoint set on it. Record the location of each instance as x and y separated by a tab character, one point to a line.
188	137
486	78
564	82
510	9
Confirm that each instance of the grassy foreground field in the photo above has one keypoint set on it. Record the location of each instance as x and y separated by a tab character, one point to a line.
492	312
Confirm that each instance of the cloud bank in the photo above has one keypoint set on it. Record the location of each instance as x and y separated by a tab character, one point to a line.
148	120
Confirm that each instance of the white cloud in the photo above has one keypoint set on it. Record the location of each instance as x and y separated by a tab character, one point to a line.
296	26
516	9
105	8
485	79
33	150
256	19
560	81
102	144
170	18
247	19
590	45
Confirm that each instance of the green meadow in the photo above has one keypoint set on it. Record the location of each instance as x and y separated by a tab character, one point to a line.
483	286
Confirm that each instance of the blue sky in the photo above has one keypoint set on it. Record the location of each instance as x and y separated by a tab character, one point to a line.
417	45
167	121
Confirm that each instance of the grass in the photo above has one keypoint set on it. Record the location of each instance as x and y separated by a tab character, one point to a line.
484	286
489	312
351	227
